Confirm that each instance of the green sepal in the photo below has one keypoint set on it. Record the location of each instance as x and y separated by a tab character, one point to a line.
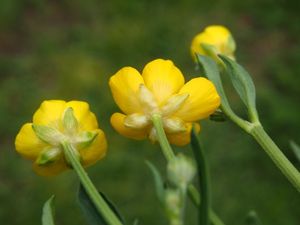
85	138
70	122
243	84
48	134
211	51
88	208
296	149
48	212
159	184
48	155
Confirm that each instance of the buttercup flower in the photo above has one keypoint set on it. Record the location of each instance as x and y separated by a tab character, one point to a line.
160	90
217	38
55	122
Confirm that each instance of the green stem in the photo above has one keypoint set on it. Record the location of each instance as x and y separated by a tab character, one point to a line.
169	155
203	178
100	203
286	167
162	138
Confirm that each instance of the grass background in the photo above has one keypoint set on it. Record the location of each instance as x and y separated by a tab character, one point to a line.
69	49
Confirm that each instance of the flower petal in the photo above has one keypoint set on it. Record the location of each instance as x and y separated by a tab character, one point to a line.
49	113
124	86
203	100
51	169
117	121
95	151
184	138
86	119
27	143
163	79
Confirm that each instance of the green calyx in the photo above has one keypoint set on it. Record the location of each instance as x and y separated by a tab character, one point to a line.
68	132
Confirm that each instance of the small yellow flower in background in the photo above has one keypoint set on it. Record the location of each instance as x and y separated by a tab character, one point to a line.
57	121
161	89
218	38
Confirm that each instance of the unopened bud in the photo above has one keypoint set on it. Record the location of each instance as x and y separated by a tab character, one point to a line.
181	171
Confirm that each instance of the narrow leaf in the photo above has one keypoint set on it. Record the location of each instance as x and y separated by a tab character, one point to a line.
212	72
203	179
159	184
92	215
296	149
48	212
242	82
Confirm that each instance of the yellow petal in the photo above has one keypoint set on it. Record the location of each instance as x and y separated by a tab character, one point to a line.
86	119
95	151
203	100
184	138
124	86
49	113
117	121
163	79
27	143
51	169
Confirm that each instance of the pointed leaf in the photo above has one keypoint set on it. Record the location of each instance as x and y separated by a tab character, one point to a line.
89	210
242	82
203	178
296	149
212	72
159	184
48	212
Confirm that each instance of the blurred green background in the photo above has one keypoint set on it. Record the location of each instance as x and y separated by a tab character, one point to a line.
69	49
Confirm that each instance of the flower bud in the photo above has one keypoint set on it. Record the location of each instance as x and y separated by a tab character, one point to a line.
181	171
212	41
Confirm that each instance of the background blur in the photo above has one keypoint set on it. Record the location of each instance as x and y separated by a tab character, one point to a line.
69	49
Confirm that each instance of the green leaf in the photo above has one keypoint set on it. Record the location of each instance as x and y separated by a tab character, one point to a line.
296	149
89	210
159	184
252	219
48	212
243	84
212	72
203	179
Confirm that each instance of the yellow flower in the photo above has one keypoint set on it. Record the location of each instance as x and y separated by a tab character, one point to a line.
216	37
57	121
160	89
